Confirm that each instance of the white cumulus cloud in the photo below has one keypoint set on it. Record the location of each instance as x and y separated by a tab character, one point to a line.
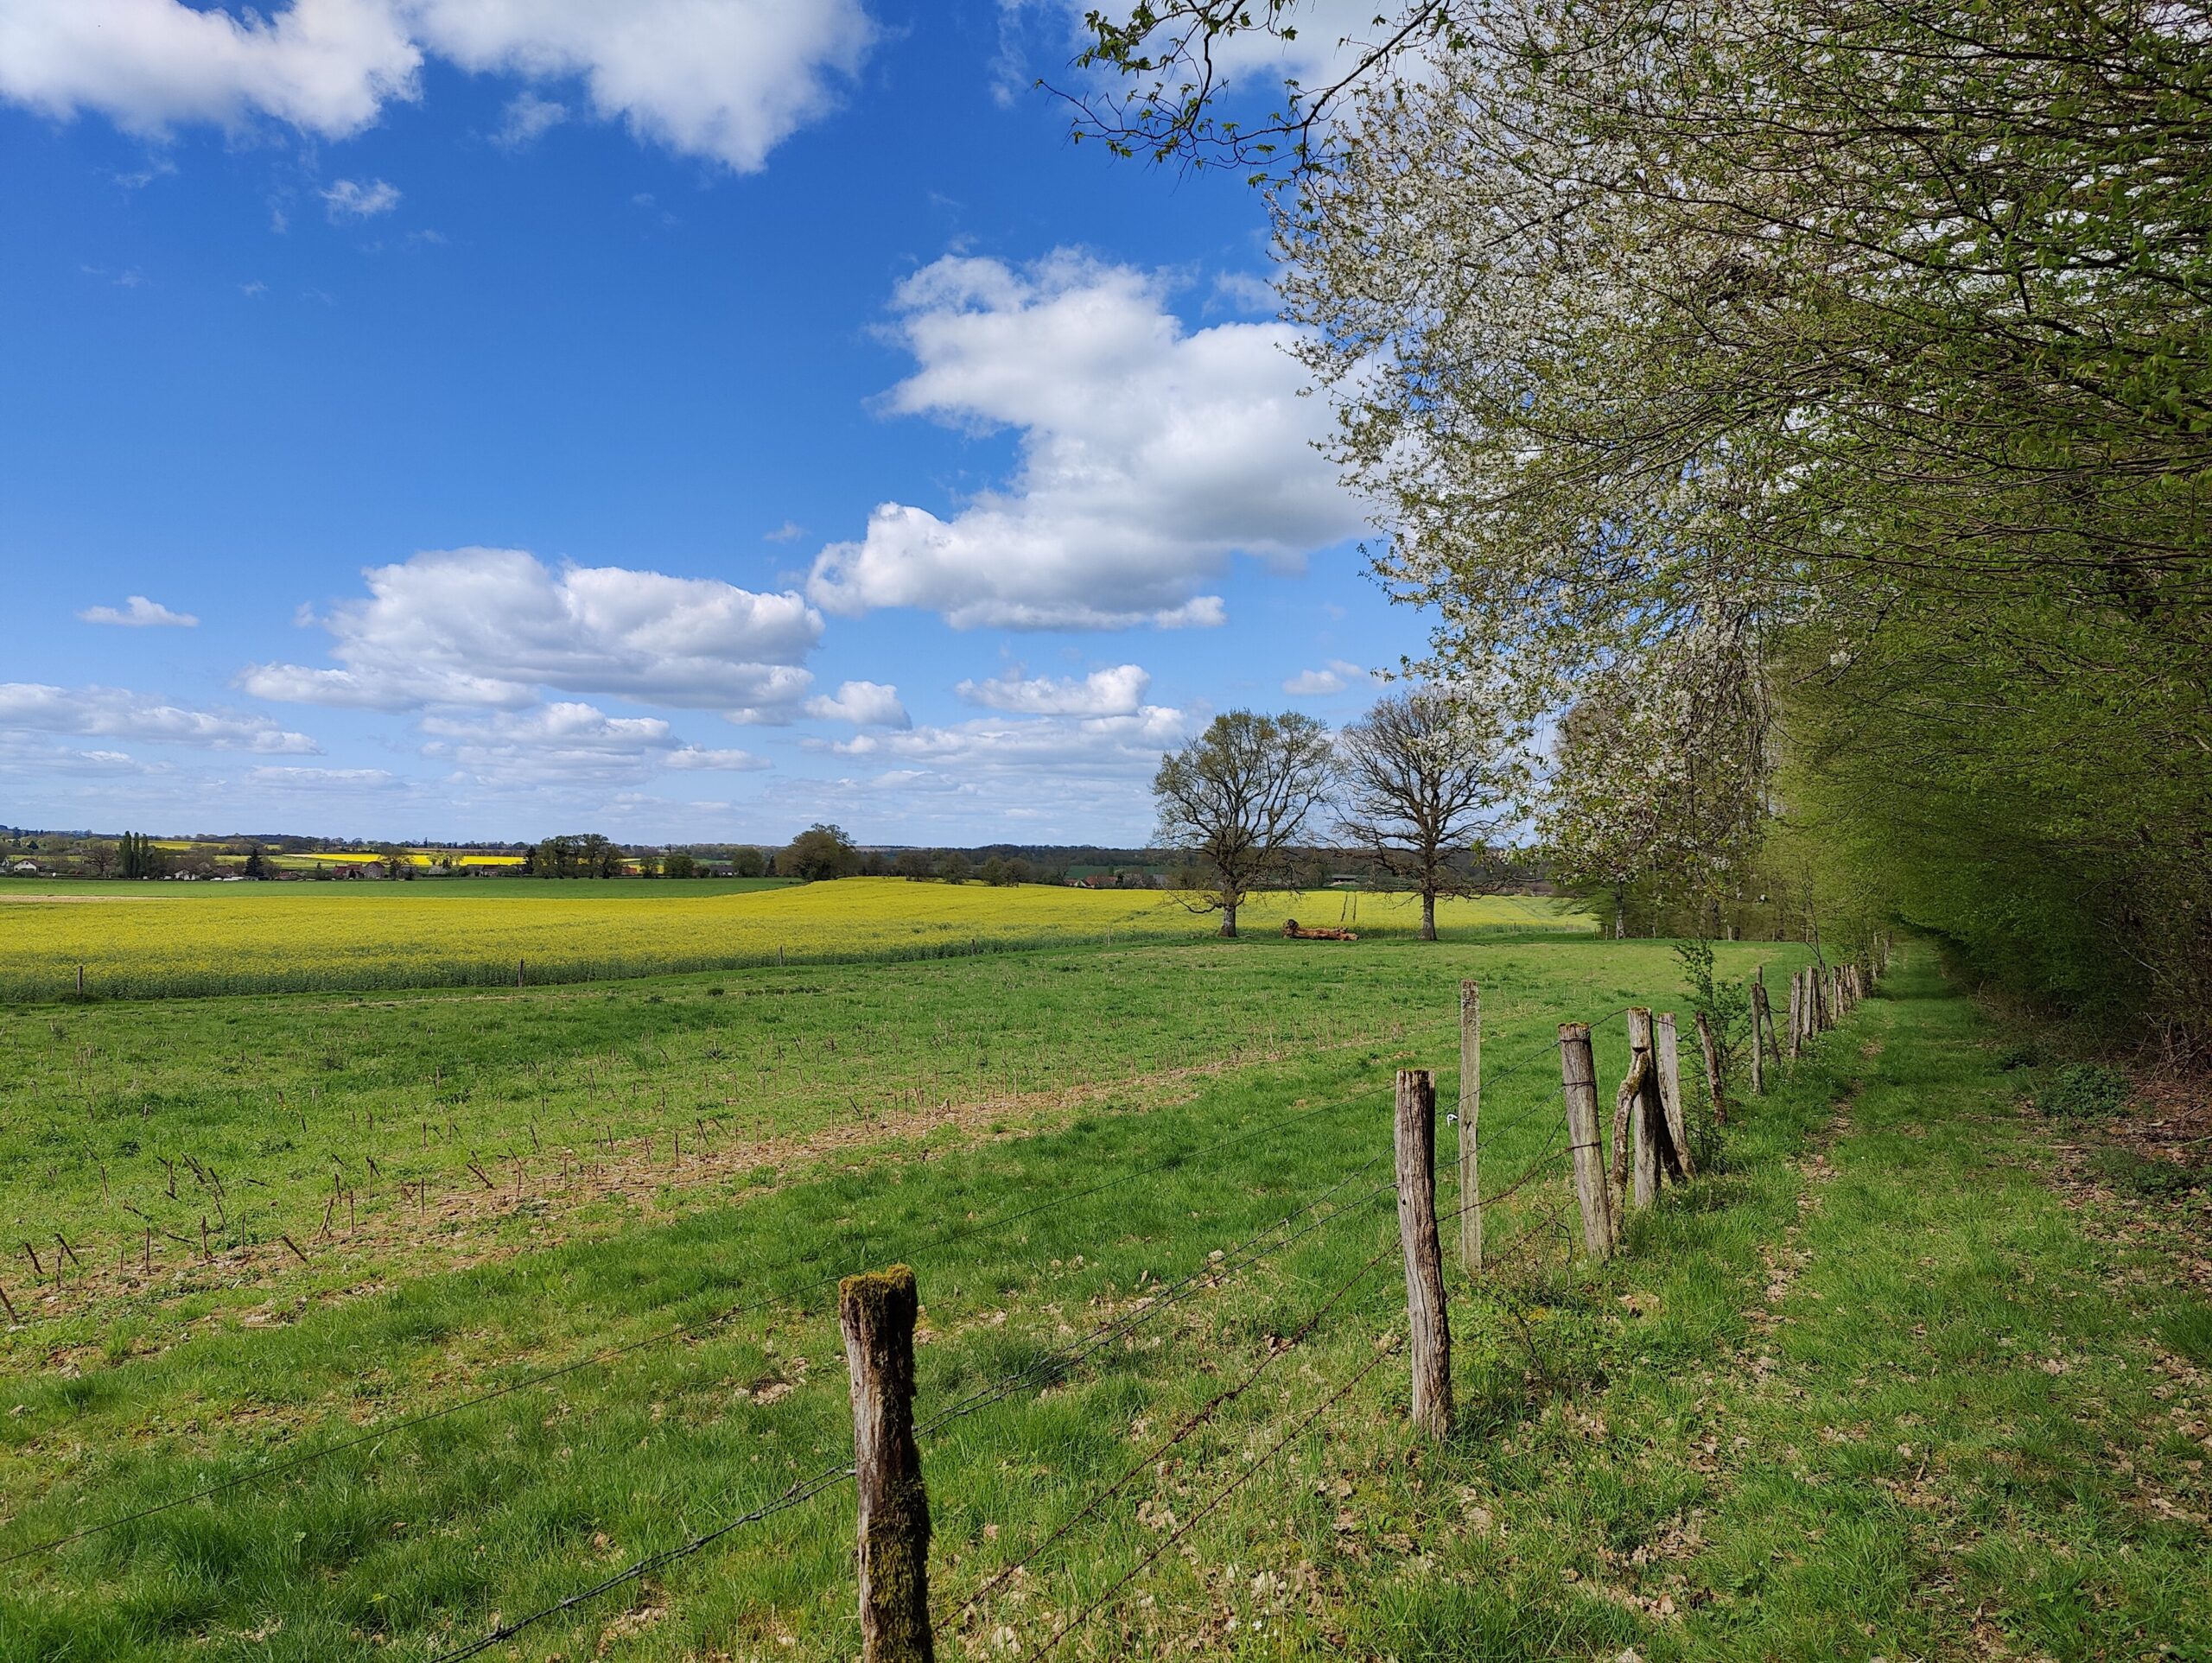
1117	692
351	198
492	626
726	80
864	704
139	613
118	712
1334	677
567	741
1150	455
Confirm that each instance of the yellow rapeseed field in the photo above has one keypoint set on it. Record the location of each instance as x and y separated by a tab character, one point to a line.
141	940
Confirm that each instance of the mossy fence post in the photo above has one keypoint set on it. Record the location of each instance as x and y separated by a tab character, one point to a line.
1579	1083
1471	1106
1430	1349
877	1312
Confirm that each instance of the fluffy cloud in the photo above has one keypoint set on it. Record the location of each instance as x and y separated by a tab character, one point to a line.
1335	677
722	79
568	742
864	704
491	626
139	613
1117	747
1117	692
725	79
1150	455
529	119
349	199
327	67
117	712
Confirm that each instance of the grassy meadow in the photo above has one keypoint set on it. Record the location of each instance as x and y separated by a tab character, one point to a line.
156	940
519	1338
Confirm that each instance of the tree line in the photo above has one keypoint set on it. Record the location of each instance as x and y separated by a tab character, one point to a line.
1801	412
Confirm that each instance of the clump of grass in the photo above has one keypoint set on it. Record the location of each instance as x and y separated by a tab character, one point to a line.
2020	1053
2085	1091
2156	1180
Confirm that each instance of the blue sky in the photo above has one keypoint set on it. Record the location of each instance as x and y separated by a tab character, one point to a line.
687	420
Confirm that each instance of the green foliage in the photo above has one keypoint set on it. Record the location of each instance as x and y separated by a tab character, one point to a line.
1725	1005
819	852
2083	1090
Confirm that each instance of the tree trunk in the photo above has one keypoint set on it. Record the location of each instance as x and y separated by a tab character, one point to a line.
1429	915
1228	920
1620	915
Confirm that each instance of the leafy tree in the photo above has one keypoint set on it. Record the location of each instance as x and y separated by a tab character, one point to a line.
953	868
915	866
748	862
1852	345
680	863
256	867
820	852
1236	799
1426	777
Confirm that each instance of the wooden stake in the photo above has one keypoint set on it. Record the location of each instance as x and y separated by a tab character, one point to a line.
1759	1023
1667	1052
1426	1321
1579	1085
1471	1106
1640	1096
877	1312
518	966
1711	1048
80	981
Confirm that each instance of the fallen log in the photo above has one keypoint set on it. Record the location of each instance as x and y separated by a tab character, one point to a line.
1294	930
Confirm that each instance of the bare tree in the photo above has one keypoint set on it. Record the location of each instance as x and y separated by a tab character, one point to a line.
1236	796
1427	776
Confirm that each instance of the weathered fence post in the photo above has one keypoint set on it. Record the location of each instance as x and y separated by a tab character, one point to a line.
1577	1072
1426	1321
1667	1051
1710	1046
877	1312
1796	1009
1759	1021
1471	1107
517	972
1640	1096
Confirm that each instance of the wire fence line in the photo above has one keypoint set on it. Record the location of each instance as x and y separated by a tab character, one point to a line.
696	1329
1211	1274
1221	1268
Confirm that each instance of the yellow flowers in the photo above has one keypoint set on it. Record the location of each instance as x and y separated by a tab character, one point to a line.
150	940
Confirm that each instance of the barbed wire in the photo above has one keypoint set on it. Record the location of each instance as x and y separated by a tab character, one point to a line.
608	1354
1211	1273
1234	1484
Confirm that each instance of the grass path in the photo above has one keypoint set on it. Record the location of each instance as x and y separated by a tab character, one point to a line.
1967	1435
1875	1391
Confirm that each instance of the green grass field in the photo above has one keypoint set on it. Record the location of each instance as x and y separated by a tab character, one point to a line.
1808	1413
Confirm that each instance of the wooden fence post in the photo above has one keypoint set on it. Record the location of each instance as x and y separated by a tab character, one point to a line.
877	1312
517	972
1639	1094
1577	1072
1667	1050
1760	1020
1471	1107
1426	1321
1710	1047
